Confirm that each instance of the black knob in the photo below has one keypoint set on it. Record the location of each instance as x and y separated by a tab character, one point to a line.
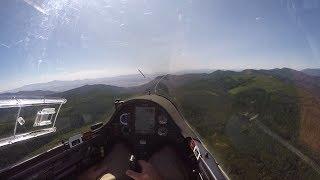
125	130
134	165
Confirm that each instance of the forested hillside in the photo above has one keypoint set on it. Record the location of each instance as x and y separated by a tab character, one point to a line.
256	122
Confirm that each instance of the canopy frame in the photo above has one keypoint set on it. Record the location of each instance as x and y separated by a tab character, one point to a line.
20	103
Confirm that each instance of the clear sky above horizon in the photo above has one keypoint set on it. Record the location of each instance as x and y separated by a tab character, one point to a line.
44	40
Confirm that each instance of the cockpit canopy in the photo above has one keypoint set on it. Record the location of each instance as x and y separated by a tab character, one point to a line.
23	119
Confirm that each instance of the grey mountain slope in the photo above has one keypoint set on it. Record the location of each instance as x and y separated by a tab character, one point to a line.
60	86
36	93
136	83
312	72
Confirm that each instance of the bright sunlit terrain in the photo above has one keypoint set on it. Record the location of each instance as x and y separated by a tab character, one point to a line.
245	74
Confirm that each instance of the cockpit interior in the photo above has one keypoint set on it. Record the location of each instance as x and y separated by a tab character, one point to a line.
148	128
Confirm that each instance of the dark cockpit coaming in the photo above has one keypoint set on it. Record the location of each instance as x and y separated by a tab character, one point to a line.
149	128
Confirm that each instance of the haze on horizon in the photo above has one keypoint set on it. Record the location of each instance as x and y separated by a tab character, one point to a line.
45	40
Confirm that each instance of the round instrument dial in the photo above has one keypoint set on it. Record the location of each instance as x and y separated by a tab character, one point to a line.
124	119
162	131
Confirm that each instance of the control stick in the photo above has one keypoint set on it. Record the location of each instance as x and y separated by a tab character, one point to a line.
133	164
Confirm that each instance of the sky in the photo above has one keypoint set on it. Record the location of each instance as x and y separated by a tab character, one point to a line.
45	40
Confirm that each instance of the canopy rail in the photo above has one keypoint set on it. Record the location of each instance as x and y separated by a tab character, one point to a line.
43	118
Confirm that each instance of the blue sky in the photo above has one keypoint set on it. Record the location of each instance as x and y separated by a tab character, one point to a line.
44	40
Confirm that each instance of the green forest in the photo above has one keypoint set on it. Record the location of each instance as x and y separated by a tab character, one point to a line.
228	109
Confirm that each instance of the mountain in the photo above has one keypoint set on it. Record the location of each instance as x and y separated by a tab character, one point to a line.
222	107
36	93
60	86
227	109
169	79
231	110
121	81
87	90
89	103
312	72
298	78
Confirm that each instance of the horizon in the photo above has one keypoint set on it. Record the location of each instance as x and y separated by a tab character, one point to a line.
187	71
47	40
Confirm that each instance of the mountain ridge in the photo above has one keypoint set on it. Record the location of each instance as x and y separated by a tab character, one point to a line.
140	84
60	86
222	106
312	71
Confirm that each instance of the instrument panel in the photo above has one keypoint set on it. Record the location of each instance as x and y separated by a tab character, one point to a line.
144	118
145	125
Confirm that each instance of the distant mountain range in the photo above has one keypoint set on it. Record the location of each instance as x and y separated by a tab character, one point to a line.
36	93
120	81
312	72
60	86
220	105
135	80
